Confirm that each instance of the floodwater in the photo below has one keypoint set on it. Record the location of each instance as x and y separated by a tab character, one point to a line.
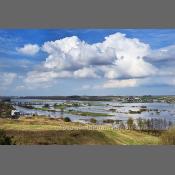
116	110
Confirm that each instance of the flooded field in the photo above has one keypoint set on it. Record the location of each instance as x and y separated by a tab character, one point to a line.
84	111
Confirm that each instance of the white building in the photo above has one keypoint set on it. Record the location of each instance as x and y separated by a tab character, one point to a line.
15	113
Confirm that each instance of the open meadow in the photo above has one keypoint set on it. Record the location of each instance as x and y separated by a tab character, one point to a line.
44	130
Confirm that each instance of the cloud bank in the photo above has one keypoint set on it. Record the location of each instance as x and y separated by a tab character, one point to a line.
119	61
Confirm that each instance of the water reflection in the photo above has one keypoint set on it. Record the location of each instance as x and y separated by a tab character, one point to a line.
117	110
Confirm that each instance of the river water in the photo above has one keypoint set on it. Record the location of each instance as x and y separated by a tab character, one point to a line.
117	110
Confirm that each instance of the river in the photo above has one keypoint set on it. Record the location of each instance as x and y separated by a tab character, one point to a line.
116	110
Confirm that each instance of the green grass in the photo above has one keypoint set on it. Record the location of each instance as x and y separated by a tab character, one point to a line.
93	114
67	104
126	137
44	109
44	130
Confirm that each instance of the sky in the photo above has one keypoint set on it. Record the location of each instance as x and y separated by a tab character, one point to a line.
87	62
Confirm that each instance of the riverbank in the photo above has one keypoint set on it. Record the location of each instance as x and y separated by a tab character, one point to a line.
44	130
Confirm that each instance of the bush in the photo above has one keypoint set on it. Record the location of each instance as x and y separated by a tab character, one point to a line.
67	119
5	110
112	110
108	121
46	106
4	140
130	123
93	120
168	137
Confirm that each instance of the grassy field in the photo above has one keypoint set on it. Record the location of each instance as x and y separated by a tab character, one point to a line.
93	114
44	130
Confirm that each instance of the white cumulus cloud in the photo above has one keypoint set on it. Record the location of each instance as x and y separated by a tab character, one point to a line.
122	56
121	60
29	49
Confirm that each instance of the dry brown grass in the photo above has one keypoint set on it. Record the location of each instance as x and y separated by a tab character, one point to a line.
44	130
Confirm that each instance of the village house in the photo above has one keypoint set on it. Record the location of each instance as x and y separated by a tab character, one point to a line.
15	114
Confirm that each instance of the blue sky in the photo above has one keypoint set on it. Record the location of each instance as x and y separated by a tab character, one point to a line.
87	62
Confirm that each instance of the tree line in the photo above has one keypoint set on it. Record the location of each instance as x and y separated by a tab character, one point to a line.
146	124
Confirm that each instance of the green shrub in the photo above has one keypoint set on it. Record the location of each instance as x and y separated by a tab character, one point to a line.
93	120
108	121
112	110
5	110
67	119
4	139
